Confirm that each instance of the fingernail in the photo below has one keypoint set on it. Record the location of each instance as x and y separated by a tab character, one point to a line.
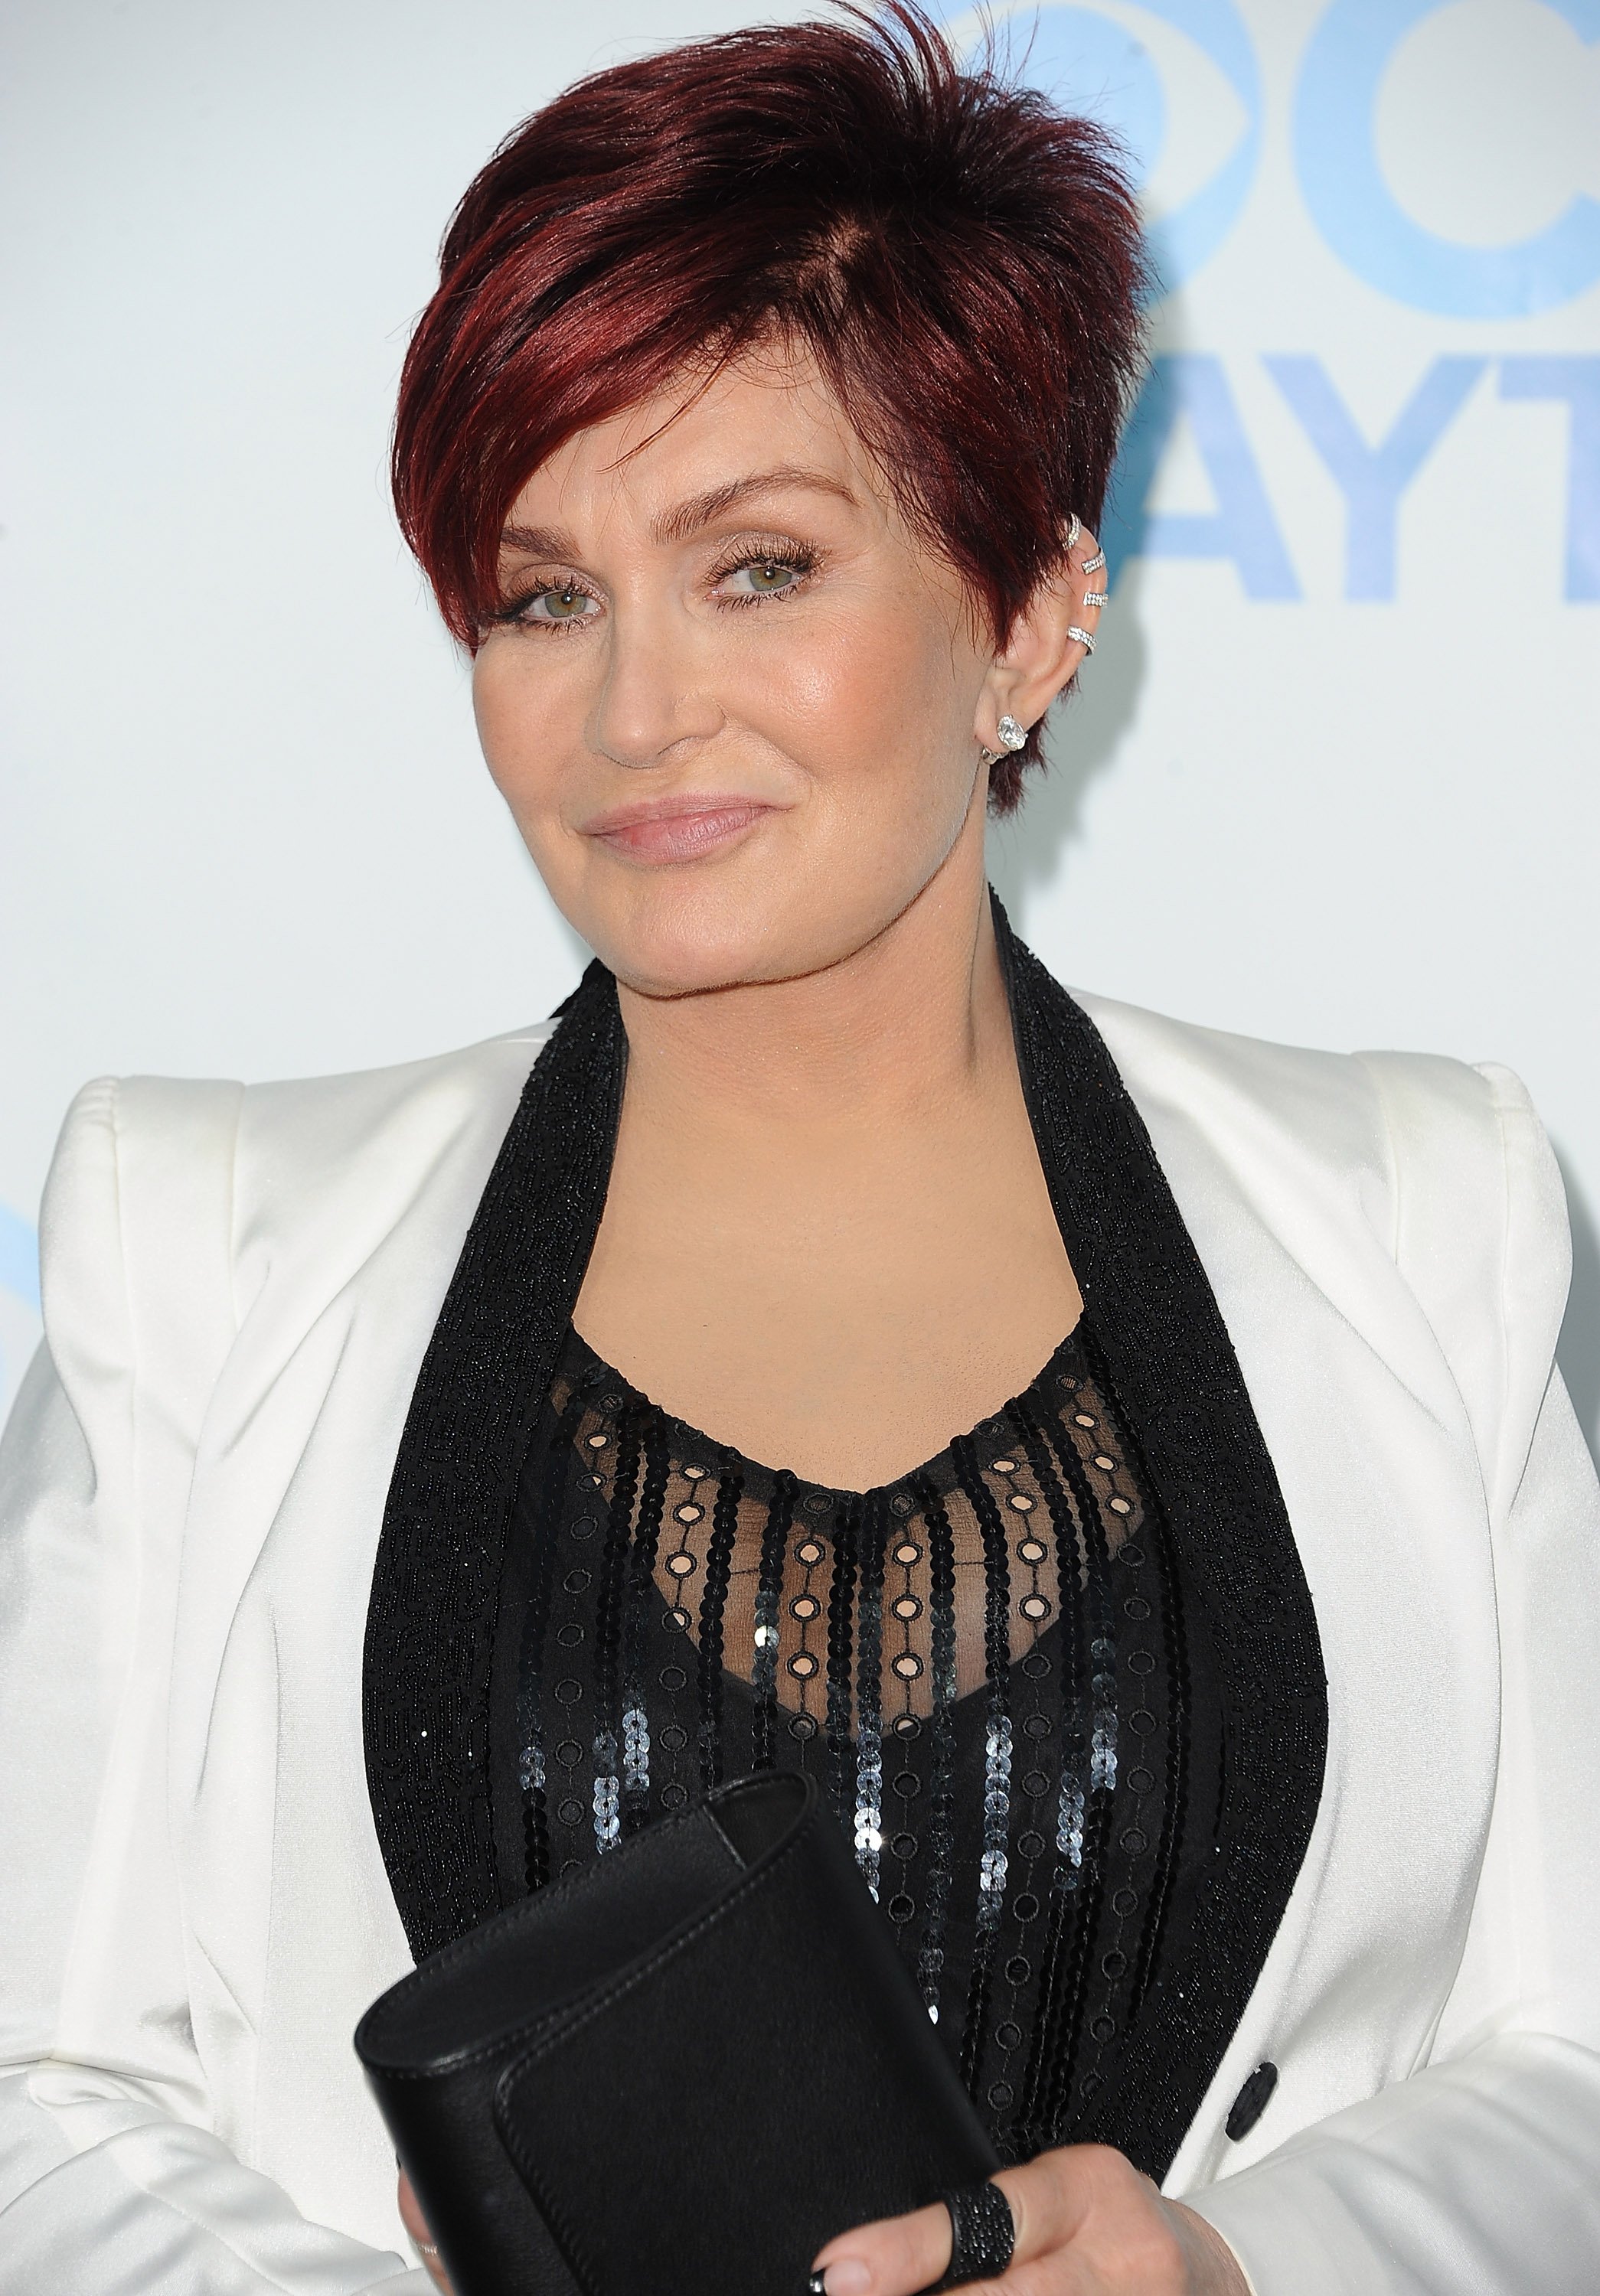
848	2277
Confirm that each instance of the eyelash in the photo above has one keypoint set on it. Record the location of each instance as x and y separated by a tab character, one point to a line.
800	561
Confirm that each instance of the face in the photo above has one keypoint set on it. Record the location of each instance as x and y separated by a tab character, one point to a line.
734	704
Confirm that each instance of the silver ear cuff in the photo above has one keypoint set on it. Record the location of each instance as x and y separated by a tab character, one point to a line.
1093	565
1073	530
1096	598
1085	638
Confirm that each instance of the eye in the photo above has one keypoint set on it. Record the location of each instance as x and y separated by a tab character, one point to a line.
560	602
764	576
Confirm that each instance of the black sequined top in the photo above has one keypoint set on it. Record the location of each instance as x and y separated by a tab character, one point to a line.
988	1664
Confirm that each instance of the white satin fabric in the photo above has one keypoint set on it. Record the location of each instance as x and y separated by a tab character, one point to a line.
239	1287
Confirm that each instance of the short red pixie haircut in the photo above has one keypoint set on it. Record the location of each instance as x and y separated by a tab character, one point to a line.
962	260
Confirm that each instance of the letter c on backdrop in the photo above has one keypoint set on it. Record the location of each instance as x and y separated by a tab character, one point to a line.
1360	217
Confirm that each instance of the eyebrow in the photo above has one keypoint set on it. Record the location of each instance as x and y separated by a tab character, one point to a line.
690	516
700	510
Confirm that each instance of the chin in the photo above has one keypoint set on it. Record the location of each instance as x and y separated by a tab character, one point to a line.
680	938
684	948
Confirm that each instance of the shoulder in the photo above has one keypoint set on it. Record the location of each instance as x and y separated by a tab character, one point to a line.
171	1203
168	1145
1369	1167
379	1129
1397	1119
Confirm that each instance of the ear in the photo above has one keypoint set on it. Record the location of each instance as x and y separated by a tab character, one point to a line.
1046	645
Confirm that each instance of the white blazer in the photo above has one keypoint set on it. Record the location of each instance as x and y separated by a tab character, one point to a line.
239	1287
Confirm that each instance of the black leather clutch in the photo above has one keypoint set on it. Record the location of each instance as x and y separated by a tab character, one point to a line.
685	2068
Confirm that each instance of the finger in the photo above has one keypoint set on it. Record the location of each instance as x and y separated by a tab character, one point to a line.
898	2256
416	2225
411	2211
895	2257
1050	2198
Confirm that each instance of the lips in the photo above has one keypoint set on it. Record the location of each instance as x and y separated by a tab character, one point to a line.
680	829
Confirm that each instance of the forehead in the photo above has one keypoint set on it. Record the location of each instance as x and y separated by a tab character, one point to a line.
769	412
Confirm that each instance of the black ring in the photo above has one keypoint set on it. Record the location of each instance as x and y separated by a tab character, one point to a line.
983	2234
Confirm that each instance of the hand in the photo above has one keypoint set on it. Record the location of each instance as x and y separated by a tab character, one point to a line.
416	2225
1087	2224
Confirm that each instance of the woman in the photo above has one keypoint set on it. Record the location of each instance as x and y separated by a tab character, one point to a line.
1123	1463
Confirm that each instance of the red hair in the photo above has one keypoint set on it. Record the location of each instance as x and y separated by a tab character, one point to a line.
962	260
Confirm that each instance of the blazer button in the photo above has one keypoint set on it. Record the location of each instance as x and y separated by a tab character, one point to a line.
1251	2101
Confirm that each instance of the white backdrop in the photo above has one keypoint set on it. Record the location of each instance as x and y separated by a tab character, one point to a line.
1332	777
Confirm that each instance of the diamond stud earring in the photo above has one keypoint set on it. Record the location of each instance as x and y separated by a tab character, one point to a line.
1013	736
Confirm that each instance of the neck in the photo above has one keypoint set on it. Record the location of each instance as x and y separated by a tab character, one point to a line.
916	1017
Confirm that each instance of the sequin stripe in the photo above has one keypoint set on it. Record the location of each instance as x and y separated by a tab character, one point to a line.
769	1594
1102	1761
842	1605
869	1692
1059	2038
941	1828
609	1726
996	1748
559	1466
1072	1547
1071	1535
639	1593
1097	1602
1065	2042
713	1601
1156	1537
1175	1788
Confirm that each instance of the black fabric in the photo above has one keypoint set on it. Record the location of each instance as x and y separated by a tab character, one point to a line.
990	1665
534	2074
432	1625
436	1581
1174	1368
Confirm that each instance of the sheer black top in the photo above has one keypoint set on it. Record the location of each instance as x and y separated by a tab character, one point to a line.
990	1665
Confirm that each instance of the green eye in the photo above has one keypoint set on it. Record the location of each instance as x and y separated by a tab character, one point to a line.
563	605
765	578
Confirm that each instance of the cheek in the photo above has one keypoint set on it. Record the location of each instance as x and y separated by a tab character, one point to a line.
878	708
897	732
521	731
497	720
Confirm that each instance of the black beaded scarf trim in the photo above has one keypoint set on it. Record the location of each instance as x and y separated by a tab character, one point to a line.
1172	1365
436	1583
489	1367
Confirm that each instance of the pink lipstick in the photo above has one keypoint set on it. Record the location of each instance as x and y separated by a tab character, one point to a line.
683	828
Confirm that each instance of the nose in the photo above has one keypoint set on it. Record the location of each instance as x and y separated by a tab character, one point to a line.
653	708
